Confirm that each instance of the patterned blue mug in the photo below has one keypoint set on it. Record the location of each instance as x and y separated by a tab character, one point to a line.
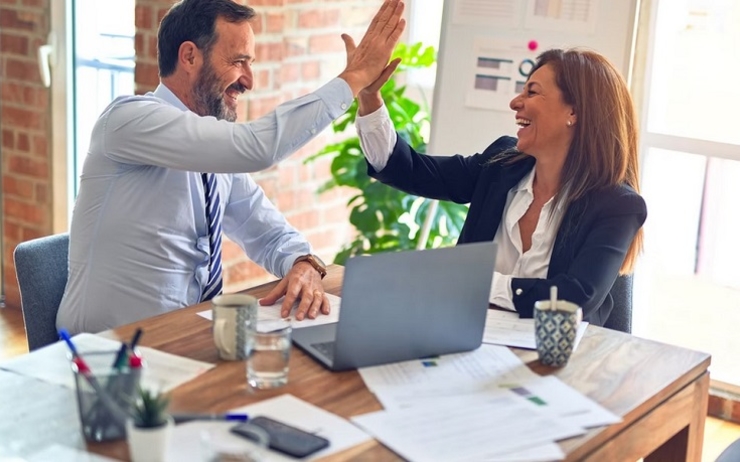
555	331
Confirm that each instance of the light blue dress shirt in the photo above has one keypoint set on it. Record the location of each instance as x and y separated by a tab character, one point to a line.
138	238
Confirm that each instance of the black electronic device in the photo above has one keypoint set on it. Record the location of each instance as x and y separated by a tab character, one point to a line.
283	437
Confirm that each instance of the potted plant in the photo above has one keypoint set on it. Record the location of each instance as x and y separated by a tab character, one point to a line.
150	426
387	219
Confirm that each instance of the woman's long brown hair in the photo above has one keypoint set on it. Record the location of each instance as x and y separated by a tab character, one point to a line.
604	148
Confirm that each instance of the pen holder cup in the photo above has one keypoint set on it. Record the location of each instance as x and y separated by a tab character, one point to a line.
555	331
105	396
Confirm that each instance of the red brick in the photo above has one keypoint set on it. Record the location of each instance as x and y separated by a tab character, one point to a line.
318	19
26	70
146	74
304	221
8	139
327	43
143	17
18	187
42	194
23	143
262	79
295	46
24	166
29	213
269	51
161	13
274	23
255	3
311	70
12	19
289	73
40	146
13	231
23	118
152	50
14	44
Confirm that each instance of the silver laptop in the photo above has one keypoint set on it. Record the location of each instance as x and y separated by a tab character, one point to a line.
406	305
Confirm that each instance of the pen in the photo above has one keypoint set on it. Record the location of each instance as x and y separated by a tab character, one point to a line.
136	337
84	369
181	418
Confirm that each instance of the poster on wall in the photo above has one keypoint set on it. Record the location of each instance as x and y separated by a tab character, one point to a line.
569	16
488	13
499	72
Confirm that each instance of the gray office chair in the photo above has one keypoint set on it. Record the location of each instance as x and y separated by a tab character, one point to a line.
621	316
41	268
731	453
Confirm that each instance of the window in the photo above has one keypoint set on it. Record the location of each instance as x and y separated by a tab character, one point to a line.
688	280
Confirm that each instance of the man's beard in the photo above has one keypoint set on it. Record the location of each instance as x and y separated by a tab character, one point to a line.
209	99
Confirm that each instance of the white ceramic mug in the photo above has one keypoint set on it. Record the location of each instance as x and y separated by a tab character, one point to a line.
233	314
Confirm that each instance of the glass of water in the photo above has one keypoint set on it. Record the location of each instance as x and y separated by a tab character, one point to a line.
268	352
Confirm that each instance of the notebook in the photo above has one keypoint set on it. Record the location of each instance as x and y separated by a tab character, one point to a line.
406	305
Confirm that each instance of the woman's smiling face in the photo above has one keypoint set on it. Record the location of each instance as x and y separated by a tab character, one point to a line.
546	121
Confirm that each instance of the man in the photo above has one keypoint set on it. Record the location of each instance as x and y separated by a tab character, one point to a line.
164	174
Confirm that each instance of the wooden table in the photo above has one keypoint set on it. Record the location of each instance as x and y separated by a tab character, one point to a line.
660	391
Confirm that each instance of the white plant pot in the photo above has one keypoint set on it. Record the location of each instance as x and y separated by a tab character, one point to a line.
149	444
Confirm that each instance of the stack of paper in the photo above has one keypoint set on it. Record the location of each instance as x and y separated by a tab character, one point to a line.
507	328
480	405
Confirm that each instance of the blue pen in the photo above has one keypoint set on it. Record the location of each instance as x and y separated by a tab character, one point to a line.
65	336
85	371
181	418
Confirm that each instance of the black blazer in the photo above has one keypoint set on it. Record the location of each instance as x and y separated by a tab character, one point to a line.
591	243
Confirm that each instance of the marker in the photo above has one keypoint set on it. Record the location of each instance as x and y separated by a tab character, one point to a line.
181	418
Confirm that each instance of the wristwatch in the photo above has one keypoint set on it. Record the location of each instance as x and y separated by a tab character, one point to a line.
314	261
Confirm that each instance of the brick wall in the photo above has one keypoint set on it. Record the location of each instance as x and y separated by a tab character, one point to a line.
25	125
298	48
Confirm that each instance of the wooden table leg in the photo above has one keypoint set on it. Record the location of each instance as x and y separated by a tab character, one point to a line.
686	445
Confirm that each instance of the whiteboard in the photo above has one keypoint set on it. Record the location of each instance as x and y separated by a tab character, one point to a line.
484	53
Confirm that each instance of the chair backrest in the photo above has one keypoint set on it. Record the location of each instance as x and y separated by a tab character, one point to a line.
731	453
621	316
41	268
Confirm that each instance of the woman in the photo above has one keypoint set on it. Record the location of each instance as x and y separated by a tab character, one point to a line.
560	200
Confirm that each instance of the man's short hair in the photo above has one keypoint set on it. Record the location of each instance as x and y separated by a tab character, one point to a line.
194	21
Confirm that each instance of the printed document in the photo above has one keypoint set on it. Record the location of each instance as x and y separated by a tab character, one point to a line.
273	312
465	429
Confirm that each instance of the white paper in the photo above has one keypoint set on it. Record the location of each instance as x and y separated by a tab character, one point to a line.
59	453
465	429
162	371
506	328
185	442
483	364
555	397
272	312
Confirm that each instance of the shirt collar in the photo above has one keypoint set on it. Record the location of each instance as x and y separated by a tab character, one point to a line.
526	185
164	93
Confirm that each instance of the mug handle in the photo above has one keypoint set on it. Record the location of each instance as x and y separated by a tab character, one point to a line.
218	334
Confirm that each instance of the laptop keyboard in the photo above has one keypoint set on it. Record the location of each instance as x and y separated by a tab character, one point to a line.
326	349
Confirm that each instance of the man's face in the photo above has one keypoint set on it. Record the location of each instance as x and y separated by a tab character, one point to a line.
226	71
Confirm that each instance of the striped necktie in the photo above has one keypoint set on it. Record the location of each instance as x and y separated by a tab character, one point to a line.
213	214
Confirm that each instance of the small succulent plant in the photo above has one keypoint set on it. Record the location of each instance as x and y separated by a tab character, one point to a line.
150	409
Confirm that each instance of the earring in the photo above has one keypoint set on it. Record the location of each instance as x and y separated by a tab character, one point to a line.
569	123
